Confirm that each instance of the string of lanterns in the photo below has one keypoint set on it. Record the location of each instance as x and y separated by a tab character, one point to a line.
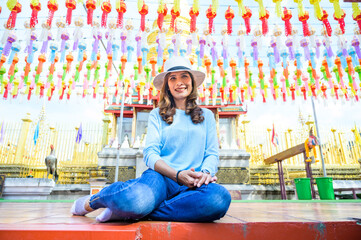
230	78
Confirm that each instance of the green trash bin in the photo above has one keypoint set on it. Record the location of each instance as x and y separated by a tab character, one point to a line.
303	188
325	188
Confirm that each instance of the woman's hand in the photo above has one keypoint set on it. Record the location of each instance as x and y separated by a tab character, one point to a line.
205	179
188	177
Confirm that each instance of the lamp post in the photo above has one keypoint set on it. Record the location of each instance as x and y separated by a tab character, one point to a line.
244	122
319	137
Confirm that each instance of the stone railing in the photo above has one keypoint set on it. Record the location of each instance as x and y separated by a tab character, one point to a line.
233	167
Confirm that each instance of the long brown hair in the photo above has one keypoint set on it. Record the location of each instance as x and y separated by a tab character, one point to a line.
167	107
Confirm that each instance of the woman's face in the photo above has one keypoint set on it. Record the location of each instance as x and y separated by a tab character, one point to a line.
180	85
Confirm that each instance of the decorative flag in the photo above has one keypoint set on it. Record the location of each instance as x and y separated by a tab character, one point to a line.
79	135
274	136
36	133
2	133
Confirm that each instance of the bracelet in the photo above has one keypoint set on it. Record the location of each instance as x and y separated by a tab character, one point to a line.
176	178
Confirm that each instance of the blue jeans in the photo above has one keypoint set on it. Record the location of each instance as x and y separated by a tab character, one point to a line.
156	197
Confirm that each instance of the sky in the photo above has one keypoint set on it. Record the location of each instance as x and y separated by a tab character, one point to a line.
329	113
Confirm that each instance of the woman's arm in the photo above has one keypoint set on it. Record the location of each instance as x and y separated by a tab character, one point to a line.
211	155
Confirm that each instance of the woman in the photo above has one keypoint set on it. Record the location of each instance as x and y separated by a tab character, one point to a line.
182	155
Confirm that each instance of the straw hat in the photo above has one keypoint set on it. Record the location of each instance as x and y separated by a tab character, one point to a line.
178	64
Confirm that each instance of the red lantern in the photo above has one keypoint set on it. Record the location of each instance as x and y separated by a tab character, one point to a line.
174	16
121	10
303	18
34	14
264	20
229	15
341	21
71	5
12	18
162	12
323	89
326	23
90	6
287	15
210	15
143	12
53	7
194	15
106	8
246	16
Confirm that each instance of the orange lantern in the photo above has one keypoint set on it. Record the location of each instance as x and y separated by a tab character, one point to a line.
12	18
106	8
121	10
90	6
162	12
53	7
193	14
143	11
70	5
153	61
35	7
323	89
229	15
69	59
233	66
42	59
210	15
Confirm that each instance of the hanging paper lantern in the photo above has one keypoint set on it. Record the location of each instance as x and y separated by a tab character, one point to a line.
193	14
303	18
356	44
14	50
11	38
121	9
326	23
61	25
317	8
35	7
264	20
69	59
12	18
276	52
77	32
70	5
90	6
53	7
287	15
246	15
229	15
143	11
304	43
174	14
64	38
210	15
106	8
341	20
162	12
278	7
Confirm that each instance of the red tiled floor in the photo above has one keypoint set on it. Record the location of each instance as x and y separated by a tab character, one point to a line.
252	220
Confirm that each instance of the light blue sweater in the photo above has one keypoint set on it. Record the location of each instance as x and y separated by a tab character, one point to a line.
182	144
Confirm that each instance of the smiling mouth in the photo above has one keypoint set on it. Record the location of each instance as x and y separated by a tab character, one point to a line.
181	89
